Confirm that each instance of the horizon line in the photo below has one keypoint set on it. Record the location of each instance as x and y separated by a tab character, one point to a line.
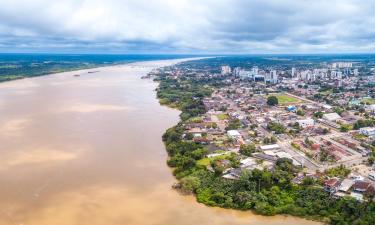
189	54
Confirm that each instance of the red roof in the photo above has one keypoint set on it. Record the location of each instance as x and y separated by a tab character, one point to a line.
315	146
332	182
361	185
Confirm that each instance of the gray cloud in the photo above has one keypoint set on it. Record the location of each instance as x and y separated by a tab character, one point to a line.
189	26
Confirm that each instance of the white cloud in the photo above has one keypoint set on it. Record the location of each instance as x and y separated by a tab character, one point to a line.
188	25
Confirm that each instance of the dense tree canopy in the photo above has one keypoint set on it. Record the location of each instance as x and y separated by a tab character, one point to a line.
272	100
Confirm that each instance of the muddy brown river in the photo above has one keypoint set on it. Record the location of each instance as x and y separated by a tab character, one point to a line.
87	150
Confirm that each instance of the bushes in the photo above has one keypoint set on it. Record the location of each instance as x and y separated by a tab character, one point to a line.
318	114
278	128
300	112
233	125
247	150
190	183
340	171
345	128
363	123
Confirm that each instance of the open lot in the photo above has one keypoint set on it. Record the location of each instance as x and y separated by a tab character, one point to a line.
287	99
223	116
368	101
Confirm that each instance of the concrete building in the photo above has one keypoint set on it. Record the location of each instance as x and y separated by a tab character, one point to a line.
255	70
226	70
293	72
368	131
236	71
342	65
345	185
355	72
233	134
306	123
332	185
274	77
269	147
331	116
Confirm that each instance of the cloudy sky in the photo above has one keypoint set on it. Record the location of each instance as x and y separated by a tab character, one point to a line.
187	26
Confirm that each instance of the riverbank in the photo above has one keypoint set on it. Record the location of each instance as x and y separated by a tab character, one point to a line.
87	150
265	192
19	66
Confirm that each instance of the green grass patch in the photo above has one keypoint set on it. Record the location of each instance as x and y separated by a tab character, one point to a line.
197	119
204	162
360	137
368	101
223	116
207	161
286	99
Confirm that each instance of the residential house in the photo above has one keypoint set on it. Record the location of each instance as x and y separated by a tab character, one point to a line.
361	186
332	185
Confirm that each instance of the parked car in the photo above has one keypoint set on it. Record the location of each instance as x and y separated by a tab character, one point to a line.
372	176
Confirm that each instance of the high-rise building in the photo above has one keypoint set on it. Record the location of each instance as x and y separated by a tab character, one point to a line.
293	72
274	77
342	65
255	70
333	74
355	72
226	70
245	74
236	71
339	75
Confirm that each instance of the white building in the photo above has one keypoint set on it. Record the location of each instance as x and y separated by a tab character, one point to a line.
233	134
274	77
339	75
226	70
368	131
346	184
371	108
333	74
293	72
255	70
236	71
305	75
249	74
269	147
355	72
357	196
306	122
331	116
342	65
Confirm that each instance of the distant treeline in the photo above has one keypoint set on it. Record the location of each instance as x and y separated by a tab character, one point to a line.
16	66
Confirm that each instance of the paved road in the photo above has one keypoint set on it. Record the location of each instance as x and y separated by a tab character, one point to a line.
299	156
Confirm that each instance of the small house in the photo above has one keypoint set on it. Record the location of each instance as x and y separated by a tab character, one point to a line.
332	185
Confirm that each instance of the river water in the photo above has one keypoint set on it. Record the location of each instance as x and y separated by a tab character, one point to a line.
87	150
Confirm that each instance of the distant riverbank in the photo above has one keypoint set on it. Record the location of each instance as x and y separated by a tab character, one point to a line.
19	66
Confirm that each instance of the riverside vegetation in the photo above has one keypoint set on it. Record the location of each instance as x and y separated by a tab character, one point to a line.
265	192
